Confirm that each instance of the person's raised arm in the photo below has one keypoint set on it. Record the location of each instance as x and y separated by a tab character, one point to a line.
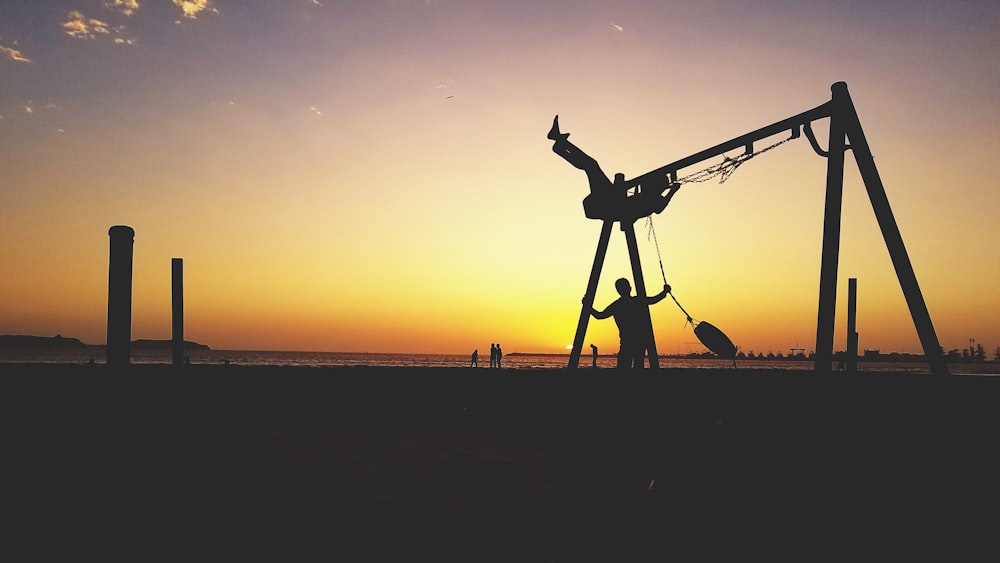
659	296
607	312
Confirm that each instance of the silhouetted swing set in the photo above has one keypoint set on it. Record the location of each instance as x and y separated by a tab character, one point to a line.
625	201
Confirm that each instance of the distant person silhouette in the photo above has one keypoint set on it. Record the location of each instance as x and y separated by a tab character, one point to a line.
607	199
629	314
493	355
499	354
593	350
475	359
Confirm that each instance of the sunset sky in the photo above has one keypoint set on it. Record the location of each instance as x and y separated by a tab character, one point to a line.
374	175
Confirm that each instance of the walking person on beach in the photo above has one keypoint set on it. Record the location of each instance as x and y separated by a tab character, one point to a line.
493	355
475	359
630	315
499	354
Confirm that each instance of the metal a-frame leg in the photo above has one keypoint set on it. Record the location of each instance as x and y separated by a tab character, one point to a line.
588	297
595	276
845	125
893	239
640	291
830	259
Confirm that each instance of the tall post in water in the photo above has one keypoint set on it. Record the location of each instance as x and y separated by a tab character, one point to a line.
120	296
852	325
177	286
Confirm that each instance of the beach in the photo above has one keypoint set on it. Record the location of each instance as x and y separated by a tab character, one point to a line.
237	463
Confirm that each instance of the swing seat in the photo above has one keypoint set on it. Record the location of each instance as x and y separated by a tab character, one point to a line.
611	207
607	207
715	340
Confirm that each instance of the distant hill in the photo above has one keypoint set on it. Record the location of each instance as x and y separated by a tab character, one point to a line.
60	341
25	341
145	343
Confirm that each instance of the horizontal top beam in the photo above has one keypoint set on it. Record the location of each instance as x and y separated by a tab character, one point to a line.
792	123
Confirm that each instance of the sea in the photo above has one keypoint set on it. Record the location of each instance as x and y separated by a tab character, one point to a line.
515	360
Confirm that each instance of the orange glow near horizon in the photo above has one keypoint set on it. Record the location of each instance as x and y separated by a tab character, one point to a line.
377	177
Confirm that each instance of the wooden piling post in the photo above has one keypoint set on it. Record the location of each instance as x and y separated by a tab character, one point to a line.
119	338
852	325
177	287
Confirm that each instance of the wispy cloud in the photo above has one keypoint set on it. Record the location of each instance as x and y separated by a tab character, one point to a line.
616	26
29	107
127	7
81	27
192	8
13	54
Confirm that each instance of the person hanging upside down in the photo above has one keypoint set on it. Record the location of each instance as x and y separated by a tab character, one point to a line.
609	200
604	198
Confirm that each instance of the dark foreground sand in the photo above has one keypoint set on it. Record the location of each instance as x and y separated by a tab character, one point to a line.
376	464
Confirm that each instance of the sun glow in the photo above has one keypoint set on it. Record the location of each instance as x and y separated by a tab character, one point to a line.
380	178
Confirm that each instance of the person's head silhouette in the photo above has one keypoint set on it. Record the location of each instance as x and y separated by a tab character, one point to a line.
624	287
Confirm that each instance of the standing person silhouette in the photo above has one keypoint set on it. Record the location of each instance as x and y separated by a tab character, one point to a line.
493	355
499	354
475	359
633	332
593	350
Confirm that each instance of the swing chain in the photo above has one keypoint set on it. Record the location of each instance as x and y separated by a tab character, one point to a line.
723	170
650	232
726	168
